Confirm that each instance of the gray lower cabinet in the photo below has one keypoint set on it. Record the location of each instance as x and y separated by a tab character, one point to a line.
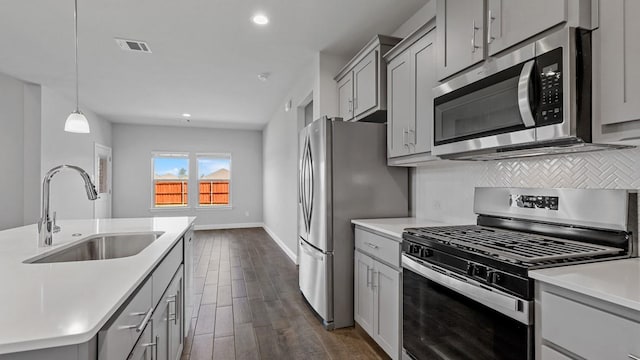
377	289
576	326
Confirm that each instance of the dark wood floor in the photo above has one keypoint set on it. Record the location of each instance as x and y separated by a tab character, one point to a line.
251	308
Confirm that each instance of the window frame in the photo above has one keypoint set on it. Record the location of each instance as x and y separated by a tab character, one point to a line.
170	154
197	181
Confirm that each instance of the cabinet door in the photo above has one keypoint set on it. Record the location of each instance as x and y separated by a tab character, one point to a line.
345	97
161	329
365	84
386	305
460	27
400	113
616	62
423	56
363	292
175	311
512	21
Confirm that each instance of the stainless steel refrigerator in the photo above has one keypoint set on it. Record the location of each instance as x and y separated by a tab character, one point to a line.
343	175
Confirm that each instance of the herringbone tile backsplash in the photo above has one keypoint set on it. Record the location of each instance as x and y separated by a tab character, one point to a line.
445	190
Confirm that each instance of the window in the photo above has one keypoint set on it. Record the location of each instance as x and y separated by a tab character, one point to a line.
214	179
170	180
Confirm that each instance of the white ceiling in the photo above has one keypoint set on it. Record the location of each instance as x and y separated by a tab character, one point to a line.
206	53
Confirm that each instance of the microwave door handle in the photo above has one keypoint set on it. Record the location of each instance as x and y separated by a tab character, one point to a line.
524	102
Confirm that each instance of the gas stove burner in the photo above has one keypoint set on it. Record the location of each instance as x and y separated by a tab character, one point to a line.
513	246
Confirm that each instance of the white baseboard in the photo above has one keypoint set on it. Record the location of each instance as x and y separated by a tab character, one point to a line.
228	226
292	255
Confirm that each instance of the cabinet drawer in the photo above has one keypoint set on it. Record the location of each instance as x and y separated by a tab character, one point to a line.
378	246
586	331
164	272
116	340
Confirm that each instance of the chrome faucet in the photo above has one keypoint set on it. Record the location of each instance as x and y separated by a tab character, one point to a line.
47	225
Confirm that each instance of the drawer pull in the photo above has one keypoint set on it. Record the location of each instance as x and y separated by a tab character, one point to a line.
144	321
633	357
373	246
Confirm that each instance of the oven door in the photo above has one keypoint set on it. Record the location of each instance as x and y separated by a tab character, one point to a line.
446	316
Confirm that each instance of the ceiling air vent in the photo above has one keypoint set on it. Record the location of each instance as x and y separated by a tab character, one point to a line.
133	45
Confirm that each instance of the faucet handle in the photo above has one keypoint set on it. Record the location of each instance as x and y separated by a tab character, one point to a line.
56	228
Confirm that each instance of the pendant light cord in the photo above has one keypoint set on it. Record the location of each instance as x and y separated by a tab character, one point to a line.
75	18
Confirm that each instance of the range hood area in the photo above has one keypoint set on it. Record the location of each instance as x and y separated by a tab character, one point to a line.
544	148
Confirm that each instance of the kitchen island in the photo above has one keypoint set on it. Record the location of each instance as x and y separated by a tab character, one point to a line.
61	307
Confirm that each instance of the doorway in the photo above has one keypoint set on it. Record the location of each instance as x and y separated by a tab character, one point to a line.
102	178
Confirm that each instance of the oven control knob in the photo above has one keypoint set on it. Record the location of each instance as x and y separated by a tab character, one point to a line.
494	277
425	253
414	249
480	271
470	269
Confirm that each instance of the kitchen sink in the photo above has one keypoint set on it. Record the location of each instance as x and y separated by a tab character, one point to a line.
101	247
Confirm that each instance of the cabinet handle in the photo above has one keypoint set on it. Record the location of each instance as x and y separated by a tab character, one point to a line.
405	135
412	143
139	327
474	47
490	37
368	279
373	279
171	299
373	246
633	357
350	106
144	321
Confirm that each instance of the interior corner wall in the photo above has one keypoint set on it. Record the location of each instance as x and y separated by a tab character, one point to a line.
12	149
280	158
31	158
68	197
325	92
133	146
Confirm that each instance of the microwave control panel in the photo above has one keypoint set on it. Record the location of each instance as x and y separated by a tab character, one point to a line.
550	87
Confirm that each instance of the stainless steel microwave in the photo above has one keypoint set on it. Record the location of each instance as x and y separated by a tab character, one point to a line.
533	101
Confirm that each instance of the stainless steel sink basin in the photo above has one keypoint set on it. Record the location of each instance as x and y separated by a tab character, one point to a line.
101	247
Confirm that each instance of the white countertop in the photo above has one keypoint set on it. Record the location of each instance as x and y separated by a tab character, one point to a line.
615	281
395	226
58	304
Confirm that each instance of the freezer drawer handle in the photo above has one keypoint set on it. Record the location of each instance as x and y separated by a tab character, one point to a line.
304	248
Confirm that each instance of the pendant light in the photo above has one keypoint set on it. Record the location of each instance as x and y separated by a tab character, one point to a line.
76	122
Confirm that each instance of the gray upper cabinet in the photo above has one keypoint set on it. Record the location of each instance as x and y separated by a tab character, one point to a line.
510	22
365	84
362	82
461	35
345	97
616	55
400	98
411	76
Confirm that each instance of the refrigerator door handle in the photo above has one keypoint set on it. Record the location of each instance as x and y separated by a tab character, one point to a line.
311	184
303	184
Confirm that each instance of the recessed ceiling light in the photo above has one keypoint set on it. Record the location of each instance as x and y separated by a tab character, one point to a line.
260	19
186	115
264	76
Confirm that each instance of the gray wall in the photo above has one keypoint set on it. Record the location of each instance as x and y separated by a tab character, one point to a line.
280	149
132	185
20	149
68	197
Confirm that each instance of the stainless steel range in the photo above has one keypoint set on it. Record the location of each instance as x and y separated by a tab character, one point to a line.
466	290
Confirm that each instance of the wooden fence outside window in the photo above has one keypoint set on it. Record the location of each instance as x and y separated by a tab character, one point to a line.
175	192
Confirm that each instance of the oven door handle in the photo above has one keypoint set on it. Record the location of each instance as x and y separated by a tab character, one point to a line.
495	300
524	101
